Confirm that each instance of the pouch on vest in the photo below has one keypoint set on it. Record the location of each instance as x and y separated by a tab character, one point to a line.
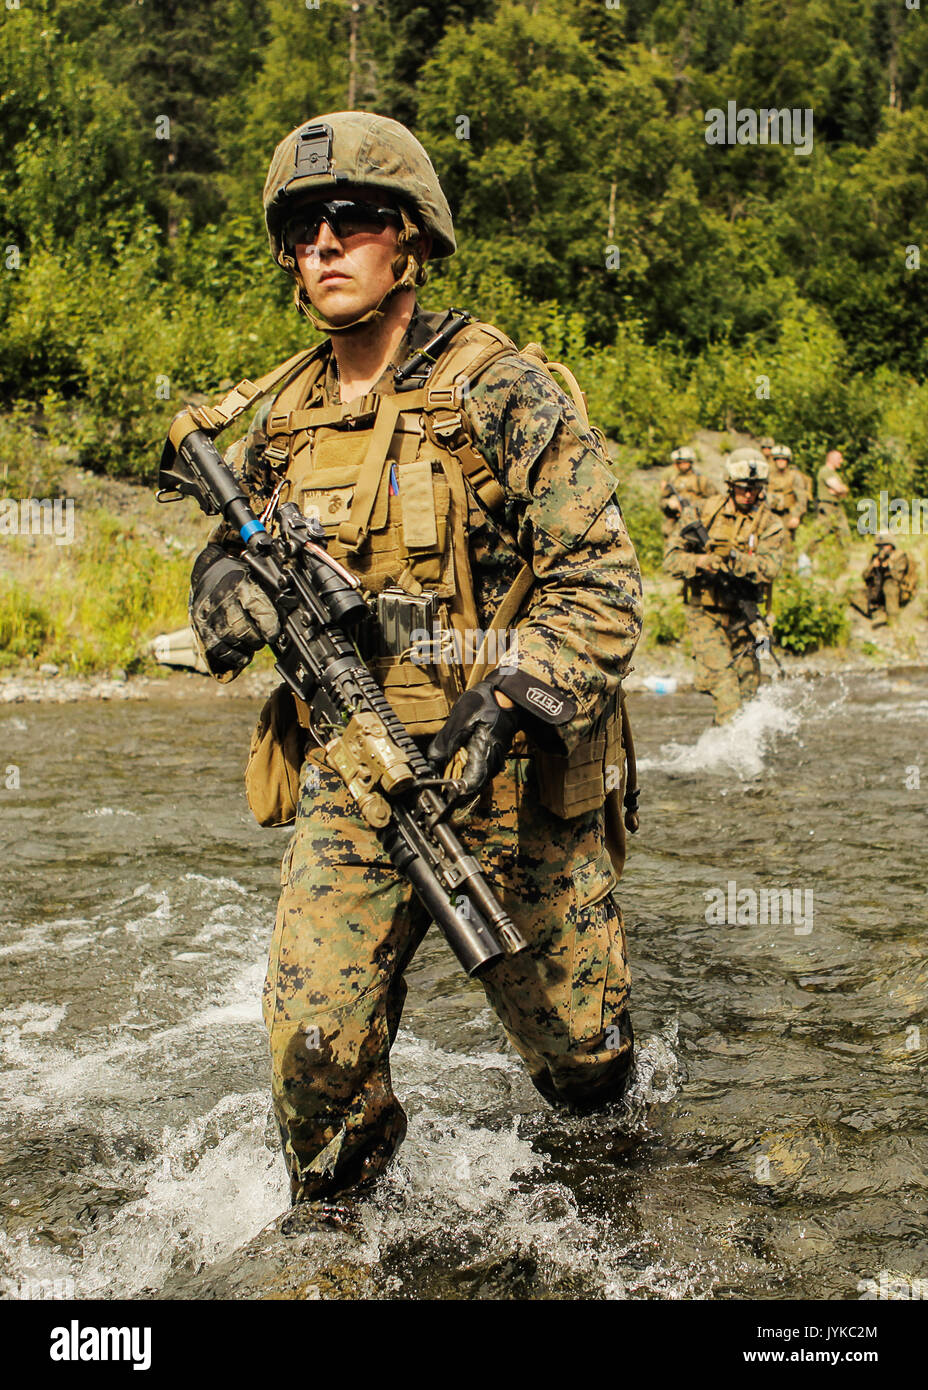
275	757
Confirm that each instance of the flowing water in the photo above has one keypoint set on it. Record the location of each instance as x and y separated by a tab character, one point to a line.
773	1144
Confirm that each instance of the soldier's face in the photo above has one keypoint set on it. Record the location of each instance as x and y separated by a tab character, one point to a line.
683	465
348	275
745	496
780	462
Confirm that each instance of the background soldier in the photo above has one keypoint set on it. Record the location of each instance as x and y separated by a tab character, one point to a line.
890	581
681	478
831	490
741	556
786	491
461	477
766	448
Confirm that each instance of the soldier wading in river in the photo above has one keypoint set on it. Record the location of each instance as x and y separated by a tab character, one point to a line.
468	486
741	559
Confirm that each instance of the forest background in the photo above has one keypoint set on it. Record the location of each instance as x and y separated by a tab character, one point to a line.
688	285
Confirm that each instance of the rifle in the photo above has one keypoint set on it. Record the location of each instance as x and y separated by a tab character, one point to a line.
319	605
742	592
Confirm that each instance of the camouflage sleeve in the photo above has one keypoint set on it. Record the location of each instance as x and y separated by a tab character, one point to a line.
762	564
802	495
678	561
585	616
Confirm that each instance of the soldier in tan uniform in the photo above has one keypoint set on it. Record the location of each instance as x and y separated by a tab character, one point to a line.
890	581
766	449
787	495
831	490
463	487
726	572
681	486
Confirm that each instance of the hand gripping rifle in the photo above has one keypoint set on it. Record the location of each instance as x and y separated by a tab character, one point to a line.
319	604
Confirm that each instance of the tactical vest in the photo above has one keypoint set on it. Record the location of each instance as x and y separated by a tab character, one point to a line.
385	476
785	498
726	533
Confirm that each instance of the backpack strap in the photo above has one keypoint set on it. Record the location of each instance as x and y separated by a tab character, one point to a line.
537	353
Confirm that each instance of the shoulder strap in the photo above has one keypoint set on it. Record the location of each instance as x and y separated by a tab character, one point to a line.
713	514
216	417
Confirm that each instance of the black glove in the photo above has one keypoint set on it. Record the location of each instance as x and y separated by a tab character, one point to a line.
231	614
478	722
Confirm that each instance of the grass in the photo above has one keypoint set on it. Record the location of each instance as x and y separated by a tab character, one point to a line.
90	606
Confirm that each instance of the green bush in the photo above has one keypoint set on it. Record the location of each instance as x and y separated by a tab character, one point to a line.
807	616
643	519
665	622
24	624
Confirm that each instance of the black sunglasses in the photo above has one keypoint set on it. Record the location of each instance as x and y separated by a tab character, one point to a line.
346	219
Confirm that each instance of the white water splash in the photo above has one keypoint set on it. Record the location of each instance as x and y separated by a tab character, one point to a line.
213	1186
741	745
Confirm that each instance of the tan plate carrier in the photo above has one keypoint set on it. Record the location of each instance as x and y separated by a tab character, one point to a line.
338	462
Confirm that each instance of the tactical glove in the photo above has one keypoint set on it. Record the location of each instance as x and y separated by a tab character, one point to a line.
230	613
479	723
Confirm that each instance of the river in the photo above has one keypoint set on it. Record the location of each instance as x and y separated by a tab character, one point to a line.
774	1142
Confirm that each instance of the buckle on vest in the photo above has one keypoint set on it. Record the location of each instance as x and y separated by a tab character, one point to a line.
447	396
278	423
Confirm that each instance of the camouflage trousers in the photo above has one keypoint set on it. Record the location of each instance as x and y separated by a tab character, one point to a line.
727	666
347	926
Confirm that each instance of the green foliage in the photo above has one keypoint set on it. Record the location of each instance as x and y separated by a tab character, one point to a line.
671	275
807	616
643	519
665	622
24	624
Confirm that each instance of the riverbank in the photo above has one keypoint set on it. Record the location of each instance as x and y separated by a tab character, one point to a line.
78	608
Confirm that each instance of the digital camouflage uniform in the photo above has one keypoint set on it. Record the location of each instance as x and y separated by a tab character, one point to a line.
347	925
690	485
886	587
723	646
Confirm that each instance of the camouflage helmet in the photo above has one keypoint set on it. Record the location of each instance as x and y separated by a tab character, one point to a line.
766	442
782	451
359	149
884	538
746	465
683	455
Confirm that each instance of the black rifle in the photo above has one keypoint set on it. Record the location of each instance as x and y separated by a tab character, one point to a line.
318	603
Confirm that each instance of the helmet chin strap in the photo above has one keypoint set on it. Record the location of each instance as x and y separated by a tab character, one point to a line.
407	268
